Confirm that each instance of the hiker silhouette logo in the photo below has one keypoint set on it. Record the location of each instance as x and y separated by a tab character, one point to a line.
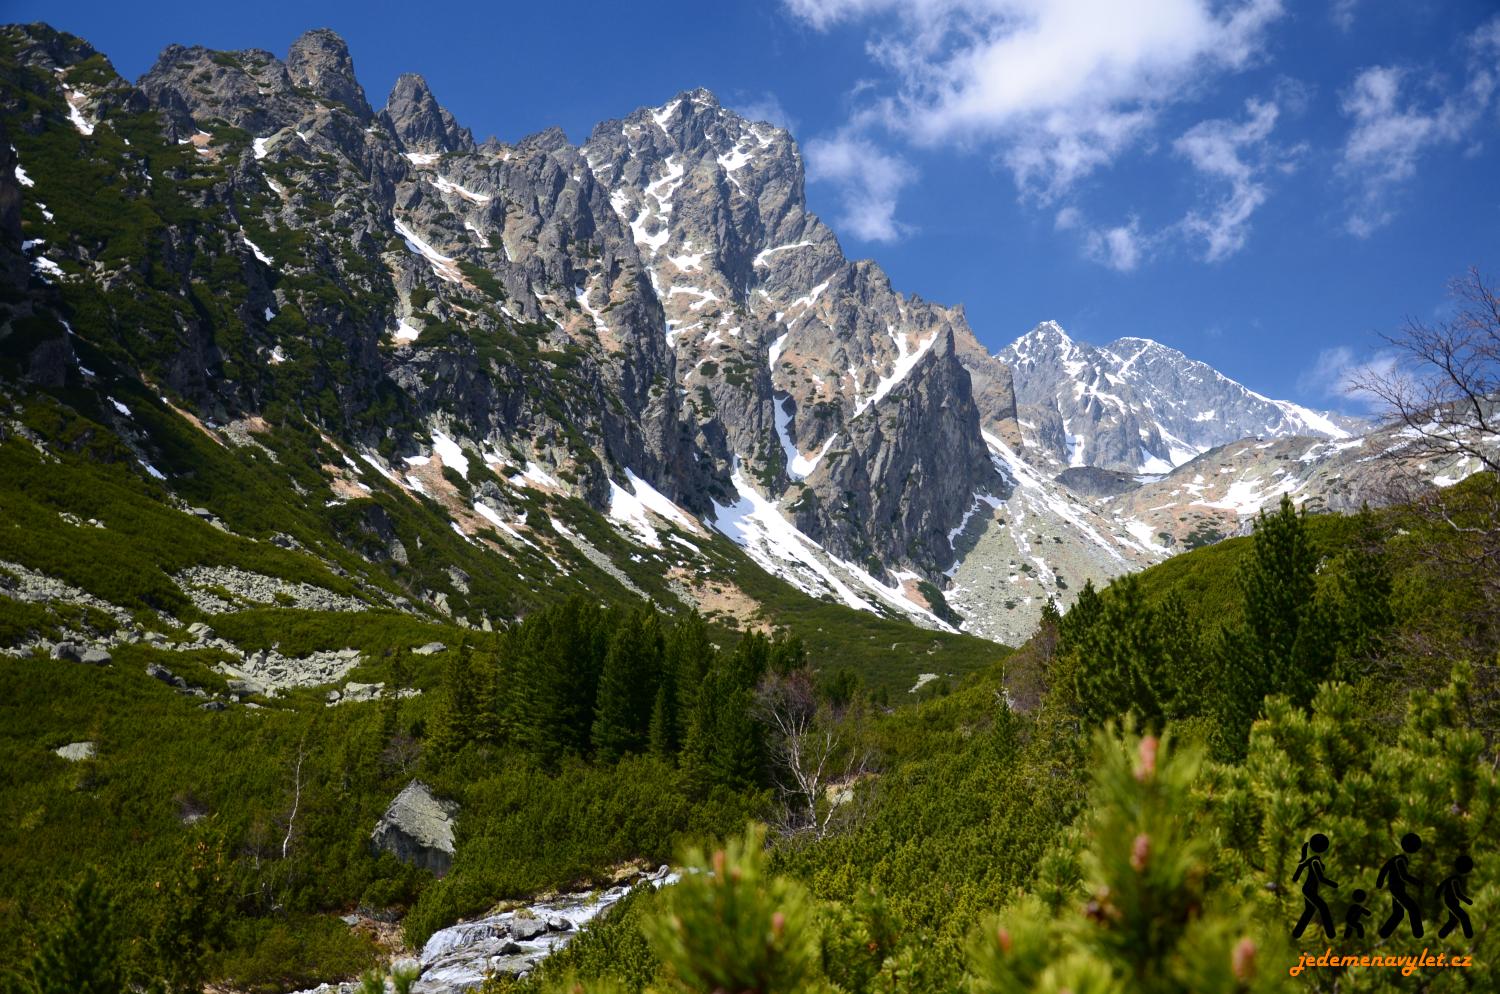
1452	892
1396	878
1312	900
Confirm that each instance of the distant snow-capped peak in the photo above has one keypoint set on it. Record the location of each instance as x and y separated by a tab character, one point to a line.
1136	405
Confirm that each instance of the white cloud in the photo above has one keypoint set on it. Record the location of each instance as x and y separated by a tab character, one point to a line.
1121	248
1061	87
1342	13
1392	128
868	180
766	107
823	14
1338	373
1239	153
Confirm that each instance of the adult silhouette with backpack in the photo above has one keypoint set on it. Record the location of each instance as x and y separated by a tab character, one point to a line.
1451	891
1393	877
1311	899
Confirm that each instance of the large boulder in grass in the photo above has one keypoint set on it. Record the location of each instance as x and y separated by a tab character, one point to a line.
77	752
417	829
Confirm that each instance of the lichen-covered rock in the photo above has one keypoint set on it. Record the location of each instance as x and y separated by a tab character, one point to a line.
417	829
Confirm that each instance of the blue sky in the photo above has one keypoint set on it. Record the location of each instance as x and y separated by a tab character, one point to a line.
1263	184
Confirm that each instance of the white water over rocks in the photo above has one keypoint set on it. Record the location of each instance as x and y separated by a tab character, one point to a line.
458	958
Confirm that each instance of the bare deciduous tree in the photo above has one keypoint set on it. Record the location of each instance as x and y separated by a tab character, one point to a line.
815	750
1443	389
1445	384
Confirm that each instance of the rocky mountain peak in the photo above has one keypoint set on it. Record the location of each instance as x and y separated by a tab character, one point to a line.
696	127
547	140
414	116
653	322
1046	338
1138	406
43	44
320	61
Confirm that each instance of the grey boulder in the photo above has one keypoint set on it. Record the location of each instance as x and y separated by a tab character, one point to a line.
526	929
417	829
69	651
76	751
156	671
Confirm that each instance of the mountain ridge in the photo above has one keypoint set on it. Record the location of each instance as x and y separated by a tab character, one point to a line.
1166	407
652	321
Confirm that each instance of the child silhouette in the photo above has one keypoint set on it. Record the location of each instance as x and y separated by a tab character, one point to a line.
1357	910
1452	892
1313	903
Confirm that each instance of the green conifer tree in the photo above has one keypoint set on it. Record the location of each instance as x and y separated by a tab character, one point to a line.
191	905
1150	923
1288	640
390	696
727	926
1080	617
690	654
1136	659
663	723
1363	614
78	949
627	687
457	722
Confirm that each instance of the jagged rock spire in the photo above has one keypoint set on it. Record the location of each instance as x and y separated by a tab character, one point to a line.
415	116
320	61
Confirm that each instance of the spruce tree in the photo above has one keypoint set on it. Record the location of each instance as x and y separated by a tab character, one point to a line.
1279	582
1183	666
663	724
627	687
1363	596
458	718
576	648
737	757
1288	639
690	654
1080	617
390	696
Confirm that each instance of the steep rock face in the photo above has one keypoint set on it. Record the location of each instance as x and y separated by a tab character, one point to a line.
319	61
673	249
1138	406
907	485
992	381
655	309
477	248
782	344
423	125
652	321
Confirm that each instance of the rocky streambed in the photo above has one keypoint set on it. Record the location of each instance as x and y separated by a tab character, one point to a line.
458	958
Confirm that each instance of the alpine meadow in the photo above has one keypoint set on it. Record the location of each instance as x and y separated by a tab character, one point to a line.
552	565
